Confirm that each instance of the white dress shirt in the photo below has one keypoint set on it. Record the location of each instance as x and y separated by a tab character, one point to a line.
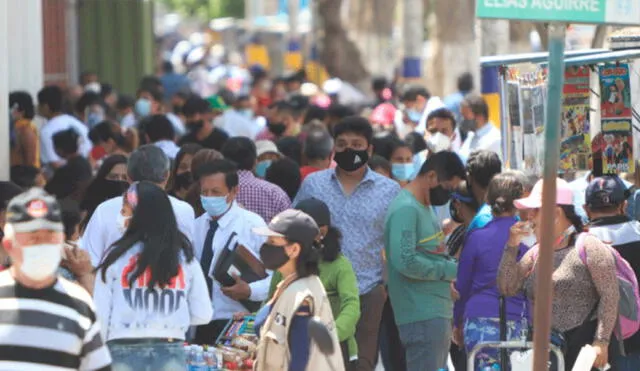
102	230
488	138
58	124
240	221
168	147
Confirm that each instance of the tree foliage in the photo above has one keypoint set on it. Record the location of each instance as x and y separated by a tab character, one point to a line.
207	9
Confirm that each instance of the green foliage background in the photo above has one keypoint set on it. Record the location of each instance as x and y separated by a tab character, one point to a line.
207	9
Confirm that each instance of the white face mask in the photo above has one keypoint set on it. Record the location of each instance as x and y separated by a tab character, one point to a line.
41	261
439	142
121	222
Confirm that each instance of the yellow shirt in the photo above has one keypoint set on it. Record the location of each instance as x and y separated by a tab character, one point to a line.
18	155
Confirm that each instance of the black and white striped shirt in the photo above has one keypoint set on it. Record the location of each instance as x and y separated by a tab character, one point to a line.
51	329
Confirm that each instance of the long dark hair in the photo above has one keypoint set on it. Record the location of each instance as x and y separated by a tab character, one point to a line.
570	213
101	189
187	149
154	225
331	244
308	259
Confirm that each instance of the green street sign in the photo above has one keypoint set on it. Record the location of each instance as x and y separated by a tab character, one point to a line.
622	12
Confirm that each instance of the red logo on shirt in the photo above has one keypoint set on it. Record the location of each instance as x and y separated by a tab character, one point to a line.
37	209
138	295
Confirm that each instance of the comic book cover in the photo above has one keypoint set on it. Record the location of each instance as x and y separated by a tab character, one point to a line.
575	145
615	91
617	147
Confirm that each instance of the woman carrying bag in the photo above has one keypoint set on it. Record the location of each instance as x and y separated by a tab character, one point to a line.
292	250
585	300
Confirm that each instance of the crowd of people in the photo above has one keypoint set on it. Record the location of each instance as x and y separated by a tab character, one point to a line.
394	223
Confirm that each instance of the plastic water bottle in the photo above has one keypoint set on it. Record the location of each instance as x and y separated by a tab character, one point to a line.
197	362
211	359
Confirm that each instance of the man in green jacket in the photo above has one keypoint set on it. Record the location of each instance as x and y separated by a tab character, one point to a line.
420	270
338	278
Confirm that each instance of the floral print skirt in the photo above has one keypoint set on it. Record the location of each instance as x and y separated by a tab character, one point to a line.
482	329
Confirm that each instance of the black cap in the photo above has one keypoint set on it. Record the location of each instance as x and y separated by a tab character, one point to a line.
294	225
34	210
298	102
606	191
316	209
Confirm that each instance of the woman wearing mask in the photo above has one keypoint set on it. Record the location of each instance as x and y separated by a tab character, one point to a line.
109	182
477	311
181	175
585	300
463	207
401	158
149	288
337	277
292	250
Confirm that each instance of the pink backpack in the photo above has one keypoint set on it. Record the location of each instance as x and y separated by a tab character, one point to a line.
629	304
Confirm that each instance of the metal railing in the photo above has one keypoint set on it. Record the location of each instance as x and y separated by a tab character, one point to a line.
515	345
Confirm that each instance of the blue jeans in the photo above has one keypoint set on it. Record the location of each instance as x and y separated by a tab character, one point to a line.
147	355
426	344
629	363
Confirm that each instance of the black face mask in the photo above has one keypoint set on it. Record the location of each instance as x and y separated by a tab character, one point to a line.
195	126
113	188
177	109
277	128
184	180
350	159
439	196
272	256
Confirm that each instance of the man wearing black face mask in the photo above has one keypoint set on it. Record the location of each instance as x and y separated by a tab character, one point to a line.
200	128
420	270
357	198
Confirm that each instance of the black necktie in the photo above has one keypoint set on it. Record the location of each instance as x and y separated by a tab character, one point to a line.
207	253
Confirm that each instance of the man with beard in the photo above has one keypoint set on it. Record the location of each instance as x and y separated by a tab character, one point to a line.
200	127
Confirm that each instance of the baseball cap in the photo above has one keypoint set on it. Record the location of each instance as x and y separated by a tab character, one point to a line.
316	209
294	225
564	195
266	146
34	210
605	191
217	103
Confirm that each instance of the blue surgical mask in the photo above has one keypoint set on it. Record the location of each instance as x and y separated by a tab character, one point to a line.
248	113
143	107
261	168
414	115
214	205
402	172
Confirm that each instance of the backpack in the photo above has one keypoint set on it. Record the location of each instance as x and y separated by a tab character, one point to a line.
629	304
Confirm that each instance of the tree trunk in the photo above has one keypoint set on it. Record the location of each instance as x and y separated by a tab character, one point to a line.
599	37
544	35
454	50
519	36
341	57
494	37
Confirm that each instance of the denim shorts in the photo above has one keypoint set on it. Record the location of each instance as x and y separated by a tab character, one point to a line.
147	355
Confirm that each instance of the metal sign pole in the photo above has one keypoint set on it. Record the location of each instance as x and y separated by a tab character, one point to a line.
505	122
544	284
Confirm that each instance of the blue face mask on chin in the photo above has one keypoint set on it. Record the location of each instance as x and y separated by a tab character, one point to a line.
261	168
402	172
414	115
214	205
